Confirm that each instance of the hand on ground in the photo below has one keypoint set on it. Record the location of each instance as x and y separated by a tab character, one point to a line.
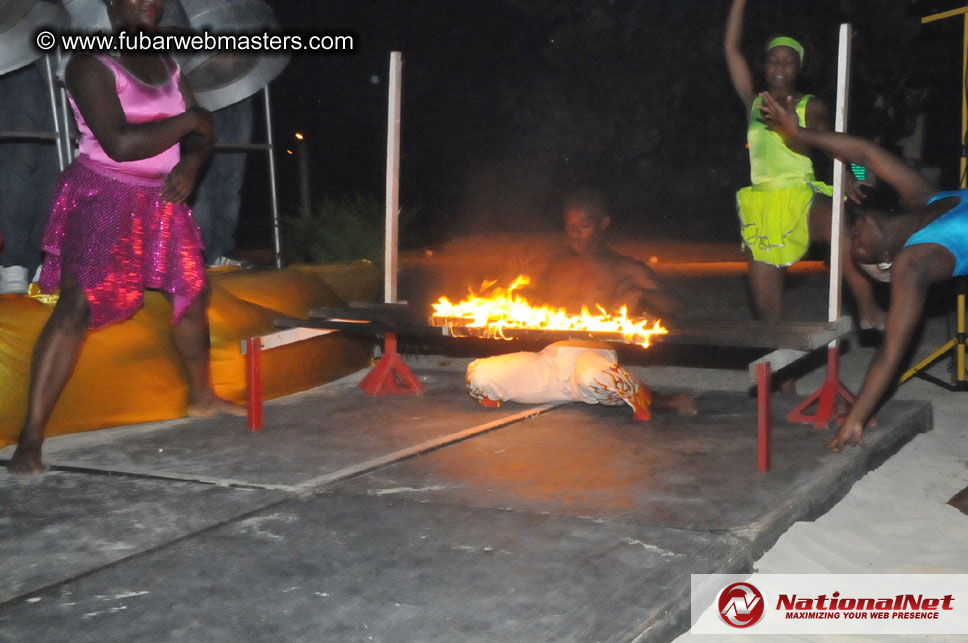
850	433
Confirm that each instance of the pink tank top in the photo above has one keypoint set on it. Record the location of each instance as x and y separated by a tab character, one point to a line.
142	103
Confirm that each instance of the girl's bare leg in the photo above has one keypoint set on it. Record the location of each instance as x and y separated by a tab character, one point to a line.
766	286
55	355
191	338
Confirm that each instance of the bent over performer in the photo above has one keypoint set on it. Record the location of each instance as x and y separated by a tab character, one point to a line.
925	243
119	222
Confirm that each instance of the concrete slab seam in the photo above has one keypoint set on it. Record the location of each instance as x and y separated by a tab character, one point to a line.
314	485
37	591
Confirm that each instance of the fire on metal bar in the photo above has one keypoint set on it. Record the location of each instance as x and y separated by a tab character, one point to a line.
502	313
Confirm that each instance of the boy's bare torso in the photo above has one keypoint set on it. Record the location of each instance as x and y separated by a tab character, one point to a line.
572	281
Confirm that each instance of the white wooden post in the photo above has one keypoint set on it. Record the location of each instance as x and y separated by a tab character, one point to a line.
837	214
391	237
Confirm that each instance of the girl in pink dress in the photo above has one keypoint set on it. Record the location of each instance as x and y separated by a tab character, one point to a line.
119	220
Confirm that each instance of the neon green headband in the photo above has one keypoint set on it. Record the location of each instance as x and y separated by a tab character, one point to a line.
786	41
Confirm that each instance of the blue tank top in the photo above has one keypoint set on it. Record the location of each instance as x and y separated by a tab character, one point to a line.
950	230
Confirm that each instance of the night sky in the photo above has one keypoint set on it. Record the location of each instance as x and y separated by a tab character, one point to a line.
508	104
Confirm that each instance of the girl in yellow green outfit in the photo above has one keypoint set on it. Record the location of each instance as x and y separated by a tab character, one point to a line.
785	207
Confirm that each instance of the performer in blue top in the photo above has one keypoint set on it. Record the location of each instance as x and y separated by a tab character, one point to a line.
925	243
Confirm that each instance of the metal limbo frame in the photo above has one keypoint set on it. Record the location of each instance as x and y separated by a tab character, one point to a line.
392	376
832	389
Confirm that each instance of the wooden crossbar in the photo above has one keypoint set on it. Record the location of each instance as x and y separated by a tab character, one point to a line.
798	336
803	336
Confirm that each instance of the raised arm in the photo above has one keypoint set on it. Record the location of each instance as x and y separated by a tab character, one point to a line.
739	69
913	188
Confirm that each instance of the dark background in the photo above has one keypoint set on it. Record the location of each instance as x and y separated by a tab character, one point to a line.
509	104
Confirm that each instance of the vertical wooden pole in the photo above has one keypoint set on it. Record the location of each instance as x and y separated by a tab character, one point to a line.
837	215
832	383
393	180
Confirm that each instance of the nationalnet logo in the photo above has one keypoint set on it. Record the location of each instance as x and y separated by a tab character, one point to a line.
741	605
862	607
830	604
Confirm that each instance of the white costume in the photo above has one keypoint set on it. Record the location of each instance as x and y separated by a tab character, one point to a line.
561	372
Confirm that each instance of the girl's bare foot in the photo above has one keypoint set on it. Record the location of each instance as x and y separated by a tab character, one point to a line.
872	317
26	460
215	406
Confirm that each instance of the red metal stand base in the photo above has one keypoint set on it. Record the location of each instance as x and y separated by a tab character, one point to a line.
253	381
825	398
391	376
764	423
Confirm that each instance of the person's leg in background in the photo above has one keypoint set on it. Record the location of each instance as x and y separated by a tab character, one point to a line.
28	171
218	198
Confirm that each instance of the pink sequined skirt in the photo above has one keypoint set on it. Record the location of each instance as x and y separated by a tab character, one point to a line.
116	236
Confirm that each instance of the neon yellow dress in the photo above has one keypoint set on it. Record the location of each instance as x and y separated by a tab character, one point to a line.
773	211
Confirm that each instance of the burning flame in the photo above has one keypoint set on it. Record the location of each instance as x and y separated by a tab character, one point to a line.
503	308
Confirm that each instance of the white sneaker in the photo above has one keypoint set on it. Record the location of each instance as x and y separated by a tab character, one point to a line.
224	261
13	279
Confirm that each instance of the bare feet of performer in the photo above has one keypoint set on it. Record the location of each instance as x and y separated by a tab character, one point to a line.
192	340
677	403
215	406
26	459
57	351
55	355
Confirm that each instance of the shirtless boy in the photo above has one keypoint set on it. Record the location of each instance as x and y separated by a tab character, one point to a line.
589	272
585	273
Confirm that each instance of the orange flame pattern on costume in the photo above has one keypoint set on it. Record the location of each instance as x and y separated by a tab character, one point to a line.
621	386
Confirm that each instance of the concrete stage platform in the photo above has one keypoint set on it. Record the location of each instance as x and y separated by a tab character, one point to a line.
408	519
